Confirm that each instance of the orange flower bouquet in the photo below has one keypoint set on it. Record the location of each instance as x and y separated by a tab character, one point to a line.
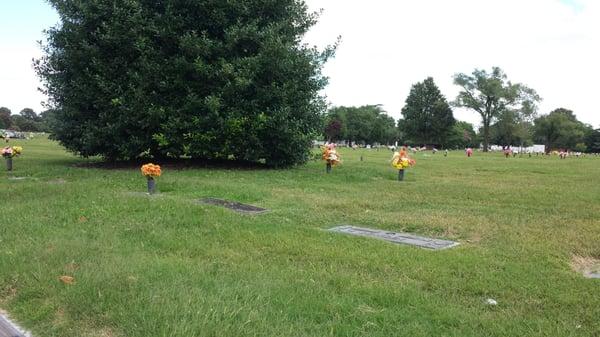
151	171
330	156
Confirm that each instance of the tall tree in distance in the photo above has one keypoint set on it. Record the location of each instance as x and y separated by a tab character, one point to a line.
367	124
560	129
29	114
428	118
511	129
206	79
27	120
592	141
5	121
463	135
491	94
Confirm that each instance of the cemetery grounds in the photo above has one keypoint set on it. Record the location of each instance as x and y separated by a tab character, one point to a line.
165	265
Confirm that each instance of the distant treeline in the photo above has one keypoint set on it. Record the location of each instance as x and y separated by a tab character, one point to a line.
508	111
27	120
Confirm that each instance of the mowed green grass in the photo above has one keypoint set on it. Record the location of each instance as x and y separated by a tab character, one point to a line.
167	266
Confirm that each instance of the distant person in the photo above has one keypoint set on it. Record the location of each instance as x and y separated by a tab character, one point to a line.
469	152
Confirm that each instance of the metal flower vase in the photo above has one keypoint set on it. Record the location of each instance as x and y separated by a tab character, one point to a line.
9	164
400	175
151	185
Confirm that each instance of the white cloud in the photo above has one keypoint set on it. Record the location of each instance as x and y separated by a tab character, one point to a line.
389	45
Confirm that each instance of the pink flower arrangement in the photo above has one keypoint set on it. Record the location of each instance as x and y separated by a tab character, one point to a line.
7	152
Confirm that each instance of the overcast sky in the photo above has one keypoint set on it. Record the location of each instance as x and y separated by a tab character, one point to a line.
553	46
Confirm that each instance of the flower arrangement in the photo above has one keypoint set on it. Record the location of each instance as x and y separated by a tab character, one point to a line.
400	160
330	156
151	170
8	153
11	151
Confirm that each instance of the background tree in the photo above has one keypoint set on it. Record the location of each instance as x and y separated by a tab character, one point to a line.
47	120
208	79
510	129
333	130
428	118
592	141
28	113
335	124
560	129
400	130
491	94
462	135
384	129
5	121
367	124
27	120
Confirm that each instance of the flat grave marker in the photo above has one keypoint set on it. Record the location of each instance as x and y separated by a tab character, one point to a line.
399	238
235	206
8	329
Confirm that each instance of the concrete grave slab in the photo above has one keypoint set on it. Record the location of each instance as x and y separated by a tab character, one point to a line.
235	206
400	238
9	329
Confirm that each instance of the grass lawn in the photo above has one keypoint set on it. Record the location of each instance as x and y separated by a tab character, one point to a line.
166	266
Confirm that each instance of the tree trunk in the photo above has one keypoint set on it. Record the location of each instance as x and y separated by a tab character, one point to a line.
486	135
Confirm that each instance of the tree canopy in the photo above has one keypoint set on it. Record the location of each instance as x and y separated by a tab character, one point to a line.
428	118
206	79
510	129
366	124
491	94
560	129
5	121
462	135
592	141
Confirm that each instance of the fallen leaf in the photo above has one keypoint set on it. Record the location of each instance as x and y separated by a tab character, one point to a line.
67	279
82	219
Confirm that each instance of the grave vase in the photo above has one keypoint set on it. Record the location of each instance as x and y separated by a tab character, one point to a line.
151	185
328	167
400	175
9	163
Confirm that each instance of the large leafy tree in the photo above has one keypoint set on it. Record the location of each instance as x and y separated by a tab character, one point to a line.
462	135
428	118
207	79
592	141
560	129
366	124
27	120
5	120
491	94
511	129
